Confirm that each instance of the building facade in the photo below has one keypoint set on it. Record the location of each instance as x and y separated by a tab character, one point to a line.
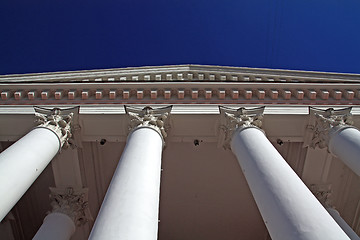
180	152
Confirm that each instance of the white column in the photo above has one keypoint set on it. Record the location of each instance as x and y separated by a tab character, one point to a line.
56	226
332	128
345	144
287	206
130	208
323	193
70	209
347	229
22	162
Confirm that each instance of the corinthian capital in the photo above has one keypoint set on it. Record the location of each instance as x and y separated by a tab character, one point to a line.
156	119
60	121
71	202
323	193
233	119
323	123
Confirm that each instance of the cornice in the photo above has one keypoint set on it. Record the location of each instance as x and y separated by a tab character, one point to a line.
180	93
182	84
183	73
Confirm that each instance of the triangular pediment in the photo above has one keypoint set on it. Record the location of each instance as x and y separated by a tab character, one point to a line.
183	73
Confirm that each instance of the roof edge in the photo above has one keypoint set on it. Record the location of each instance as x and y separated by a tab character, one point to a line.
199	72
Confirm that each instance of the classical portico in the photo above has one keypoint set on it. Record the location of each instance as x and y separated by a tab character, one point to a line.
148	154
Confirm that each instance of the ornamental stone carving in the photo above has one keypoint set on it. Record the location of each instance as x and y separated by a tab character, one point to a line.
71	202
325	122
59	121
157	119
233	119
323	193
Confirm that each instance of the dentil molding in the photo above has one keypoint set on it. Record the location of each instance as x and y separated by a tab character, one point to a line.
184	84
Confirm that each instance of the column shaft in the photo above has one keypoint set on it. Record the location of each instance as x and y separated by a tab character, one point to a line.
345	144
130	208
347	229
22	163
56	226
289	209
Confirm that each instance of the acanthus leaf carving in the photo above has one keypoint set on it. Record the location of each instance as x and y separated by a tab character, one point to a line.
60	121
233	119
323	123
157	119
71	202
323	193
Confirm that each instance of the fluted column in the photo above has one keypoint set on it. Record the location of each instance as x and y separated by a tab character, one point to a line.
22	162
130	208
287	206
332	129
70	209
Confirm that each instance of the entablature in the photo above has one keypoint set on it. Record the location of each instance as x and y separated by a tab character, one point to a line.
180	93
181	84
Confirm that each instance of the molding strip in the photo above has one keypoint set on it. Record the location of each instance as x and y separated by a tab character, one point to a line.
180	93
184	73
180	109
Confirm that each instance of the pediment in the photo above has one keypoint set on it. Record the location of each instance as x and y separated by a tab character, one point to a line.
183	73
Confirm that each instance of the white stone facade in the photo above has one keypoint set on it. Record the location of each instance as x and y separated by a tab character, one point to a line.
180	152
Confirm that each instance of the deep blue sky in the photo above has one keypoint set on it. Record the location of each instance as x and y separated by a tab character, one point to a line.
57	35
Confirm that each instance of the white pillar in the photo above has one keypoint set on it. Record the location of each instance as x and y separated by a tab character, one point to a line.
345	144
70	209
130	208
323	193
287	206
56	226
22	162
347	229
332	128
